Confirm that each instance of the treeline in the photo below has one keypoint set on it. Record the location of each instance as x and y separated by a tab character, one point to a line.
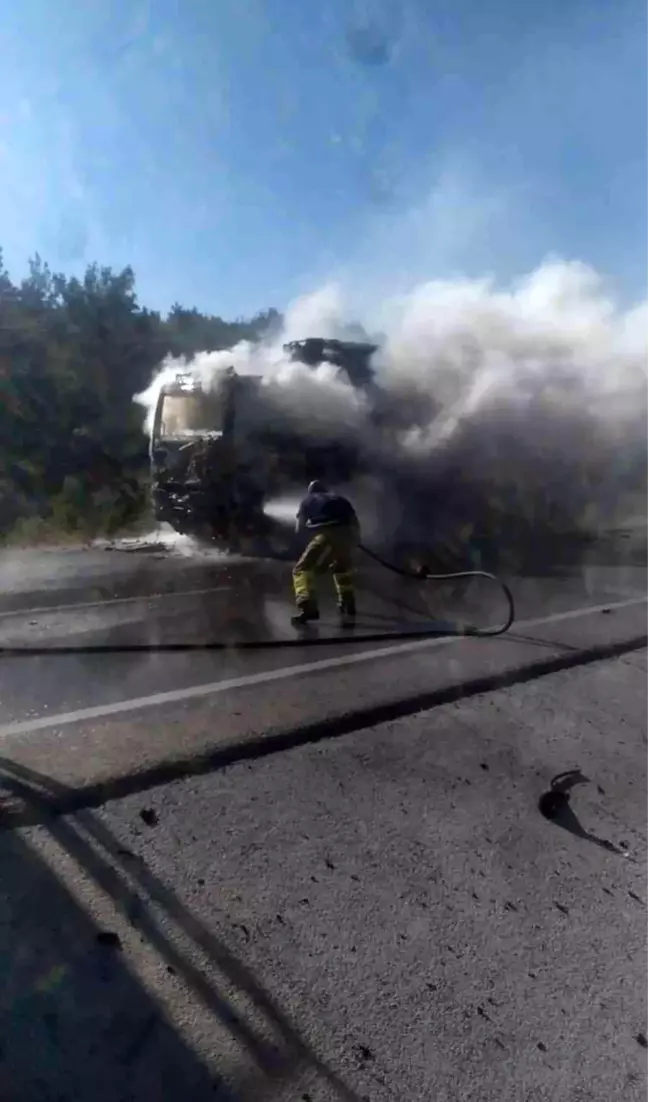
73	353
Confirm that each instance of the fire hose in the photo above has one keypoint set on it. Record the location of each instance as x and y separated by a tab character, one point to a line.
427	632
425	575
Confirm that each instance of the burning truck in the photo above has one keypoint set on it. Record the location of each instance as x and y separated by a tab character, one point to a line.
218	454
516	417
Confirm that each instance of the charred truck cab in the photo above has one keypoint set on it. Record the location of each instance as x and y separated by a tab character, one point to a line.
215	458
201	482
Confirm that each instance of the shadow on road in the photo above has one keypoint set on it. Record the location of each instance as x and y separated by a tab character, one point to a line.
76	1020
555	806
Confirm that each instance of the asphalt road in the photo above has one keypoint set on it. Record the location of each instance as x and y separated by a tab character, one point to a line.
156	594
319	872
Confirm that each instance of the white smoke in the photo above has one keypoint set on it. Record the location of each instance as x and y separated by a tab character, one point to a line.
205	366
534	389
318	397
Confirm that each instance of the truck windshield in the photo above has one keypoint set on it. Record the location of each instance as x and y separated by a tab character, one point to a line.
191	414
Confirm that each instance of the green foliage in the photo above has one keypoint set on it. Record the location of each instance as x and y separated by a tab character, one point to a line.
73	352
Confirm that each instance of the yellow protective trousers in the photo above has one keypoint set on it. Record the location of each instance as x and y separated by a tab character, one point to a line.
331	550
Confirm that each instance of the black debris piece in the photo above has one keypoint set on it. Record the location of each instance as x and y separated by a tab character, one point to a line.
109	939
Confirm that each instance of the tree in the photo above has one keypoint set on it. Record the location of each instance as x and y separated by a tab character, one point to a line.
73	353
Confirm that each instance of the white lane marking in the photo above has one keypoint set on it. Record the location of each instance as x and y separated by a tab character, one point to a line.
574	613
194	692
113	601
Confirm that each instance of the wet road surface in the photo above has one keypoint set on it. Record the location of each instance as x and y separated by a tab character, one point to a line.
155	594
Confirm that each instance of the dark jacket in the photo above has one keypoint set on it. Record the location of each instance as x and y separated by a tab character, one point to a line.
326	510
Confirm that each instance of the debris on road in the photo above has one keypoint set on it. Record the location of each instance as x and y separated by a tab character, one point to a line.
109	939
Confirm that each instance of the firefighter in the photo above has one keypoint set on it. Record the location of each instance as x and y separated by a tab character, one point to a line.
333	525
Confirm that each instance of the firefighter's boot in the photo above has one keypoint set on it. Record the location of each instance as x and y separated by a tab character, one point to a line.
347	610
308	612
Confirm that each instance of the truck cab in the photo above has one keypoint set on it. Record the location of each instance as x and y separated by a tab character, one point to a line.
199	475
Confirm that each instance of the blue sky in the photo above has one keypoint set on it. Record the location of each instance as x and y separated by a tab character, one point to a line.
240	152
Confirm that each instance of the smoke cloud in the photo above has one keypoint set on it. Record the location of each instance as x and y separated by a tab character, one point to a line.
525	402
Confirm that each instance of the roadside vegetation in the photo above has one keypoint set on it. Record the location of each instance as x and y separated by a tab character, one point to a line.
73	352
